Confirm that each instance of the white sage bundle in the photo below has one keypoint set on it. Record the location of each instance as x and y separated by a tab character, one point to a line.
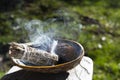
33	56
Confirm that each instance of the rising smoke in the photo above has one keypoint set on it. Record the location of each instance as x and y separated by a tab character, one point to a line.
42	33
40	37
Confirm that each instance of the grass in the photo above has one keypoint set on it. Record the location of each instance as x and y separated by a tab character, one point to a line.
1	73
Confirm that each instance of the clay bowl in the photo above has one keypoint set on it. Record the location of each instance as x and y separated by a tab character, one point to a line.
61	66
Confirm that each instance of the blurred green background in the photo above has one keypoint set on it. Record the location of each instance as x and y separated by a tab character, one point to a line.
99	31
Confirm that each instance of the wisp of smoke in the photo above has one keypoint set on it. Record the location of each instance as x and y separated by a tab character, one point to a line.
63	25
38	36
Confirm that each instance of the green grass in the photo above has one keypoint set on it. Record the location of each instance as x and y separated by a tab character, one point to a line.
1	74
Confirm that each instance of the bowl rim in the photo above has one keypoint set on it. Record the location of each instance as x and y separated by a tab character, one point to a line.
57	65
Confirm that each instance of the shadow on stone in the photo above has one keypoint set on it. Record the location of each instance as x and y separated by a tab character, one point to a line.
29	75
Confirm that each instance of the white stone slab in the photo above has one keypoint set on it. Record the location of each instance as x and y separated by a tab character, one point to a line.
84	71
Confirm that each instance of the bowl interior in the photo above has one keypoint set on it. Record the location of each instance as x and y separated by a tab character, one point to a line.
69	52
